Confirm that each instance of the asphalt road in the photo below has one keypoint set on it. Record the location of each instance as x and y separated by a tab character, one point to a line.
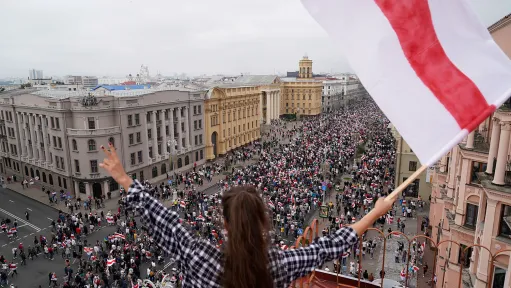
35	273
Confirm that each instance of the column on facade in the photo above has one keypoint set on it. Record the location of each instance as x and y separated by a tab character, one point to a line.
484	255
261	107
278	104
494	145
443	163
77	189
171	130
27	136
45	139
32	135
461	191
452	171
470	140
187	128
155	135
268	105
39	140
146	135
500	168
179	130
87	189
22	134
275	99
163	134
106	187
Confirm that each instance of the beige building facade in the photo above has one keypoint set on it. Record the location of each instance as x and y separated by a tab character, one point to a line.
406	164
470	209
302	95
55	136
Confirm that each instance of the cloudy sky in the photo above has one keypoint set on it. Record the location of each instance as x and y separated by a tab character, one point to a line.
113	37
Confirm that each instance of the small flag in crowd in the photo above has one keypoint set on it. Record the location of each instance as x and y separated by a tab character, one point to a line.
88	250
434	55
271	205
110	262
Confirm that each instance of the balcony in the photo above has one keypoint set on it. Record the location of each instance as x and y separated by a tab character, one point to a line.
94	132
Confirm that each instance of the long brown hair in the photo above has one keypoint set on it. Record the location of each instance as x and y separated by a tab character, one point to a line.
246	250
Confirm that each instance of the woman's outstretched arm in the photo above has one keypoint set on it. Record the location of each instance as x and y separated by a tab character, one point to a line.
163	223
300	262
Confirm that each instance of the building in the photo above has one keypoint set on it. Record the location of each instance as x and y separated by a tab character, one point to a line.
406	164
332	94
471	203
302	95
235	111
35	74
56	135
87	82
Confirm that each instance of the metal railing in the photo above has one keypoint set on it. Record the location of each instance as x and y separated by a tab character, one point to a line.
312	232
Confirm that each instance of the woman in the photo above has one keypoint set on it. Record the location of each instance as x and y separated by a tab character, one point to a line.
247	260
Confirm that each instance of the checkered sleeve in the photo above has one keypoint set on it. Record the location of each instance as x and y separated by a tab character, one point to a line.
163	223
300	262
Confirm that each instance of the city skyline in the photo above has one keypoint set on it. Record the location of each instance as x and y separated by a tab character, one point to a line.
113	38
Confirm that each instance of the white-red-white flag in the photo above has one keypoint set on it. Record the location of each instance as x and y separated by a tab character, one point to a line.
430	65
110	262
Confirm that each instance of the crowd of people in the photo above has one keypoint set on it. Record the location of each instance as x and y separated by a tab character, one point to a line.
347	156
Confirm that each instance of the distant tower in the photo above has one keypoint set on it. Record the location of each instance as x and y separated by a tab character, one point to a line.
305	68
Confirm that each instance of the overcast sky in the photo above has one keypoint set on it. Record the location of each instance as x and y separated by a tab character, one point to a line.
113	37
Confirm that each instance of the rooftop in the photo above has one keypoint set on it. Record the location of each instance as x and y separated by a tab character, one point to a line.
504	21
122	87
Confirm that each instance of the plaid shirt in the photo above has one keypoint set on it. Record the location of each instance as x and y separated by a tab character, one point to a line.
201	262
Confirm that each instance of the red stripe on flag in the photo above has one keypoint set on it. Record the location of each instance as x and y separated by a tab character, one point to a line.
412	22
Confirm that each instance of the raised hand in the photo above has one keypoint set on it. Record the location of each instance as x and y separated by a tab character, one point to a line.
113	165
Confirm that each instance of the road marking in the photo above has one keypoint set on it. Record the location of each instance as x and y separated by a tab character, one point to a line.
4	245
29	209
25	236
19	219
49	218
11	201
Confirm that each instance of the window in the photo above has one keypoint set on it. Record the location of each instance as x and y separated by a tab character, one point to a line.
471	215
60	142
137	119
77	166
149	133
75	145
150	152
91	123
132	159
52	120
163	168
195	125
54	141
57	123
141	176
505	223
196	139
200	124
476	168
139	137
499	277
131	140
412	166
94	166
200	109
62	163
194	110
155	172
130	120
139	154
196	155
92	145
112	141
201	154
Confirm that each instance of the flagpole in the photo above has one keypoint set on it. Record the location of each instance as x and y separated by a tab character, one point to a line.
393	196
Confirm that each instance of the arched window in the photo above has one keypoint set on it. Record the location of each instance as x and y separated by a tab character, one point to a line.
75	145
179	163
50	178
32	172
187	160
81	188
26	170
92	145
155	172
163	168
111	140
37	174
44	177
